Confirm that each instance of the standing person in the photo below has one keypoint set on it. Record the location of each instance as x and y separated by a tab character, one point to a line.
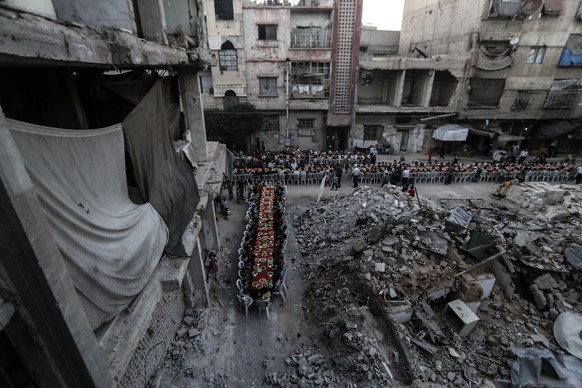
442	151
224	208
405	178
229	187
522	156
334	181
240	189
212	265
356	175
339	172
450	174
373	154
402	158
429	156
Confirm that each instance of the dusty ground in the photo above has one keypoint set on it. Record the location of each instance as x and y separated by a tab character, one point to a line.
231	350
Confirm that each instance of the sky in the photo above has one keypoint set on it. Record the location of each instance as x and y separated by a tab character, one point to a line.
384	14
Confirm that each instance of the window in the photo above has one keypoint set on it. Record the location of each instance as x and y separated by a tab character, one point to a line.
522	99
305	123
373	132
268	32
227	57
563	94
267	86
305	127
230	99
536	55
485	92
223	10
272	123
310	79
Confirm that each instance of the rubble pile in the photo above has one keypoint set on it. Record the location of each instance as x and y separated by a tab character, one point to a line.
462	284
555	201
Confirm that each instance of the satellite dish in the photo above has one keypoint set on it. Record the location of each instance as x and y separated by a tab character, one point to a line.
513	41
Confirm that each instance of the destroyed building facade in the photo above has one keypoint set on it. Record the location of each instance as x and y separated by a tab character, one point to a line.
101	103
503	69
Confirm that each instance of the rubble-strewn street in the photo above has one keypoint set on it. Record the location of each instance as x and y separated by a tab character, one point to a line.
389	290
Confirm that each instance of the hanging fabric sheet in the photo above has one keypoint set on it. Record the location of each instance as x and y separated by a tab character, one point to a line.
163	179
110	245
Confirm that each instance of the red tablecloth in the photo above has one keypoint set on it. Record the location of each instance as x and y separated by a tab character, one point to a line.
262	275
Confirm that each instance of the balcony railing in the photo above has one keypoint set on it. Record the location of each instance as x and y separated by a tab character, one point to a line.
310	40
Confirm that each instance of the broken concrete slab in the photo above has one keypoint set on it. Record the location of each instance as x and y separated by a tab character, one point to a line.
468	320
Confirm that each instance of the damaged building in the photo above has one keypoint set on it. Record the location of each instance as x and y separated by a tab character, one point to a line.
503	69
107	183
295	61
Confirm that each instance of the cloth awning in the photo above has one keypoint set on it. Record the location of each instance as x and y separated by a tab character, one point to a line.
553	129
450	132
480	132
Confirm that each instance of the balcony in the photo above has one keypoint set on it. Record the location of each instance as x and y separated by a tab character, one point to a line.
320	40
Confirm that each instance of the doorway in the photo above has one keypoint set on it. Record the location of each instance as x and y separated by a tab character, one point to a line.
404	140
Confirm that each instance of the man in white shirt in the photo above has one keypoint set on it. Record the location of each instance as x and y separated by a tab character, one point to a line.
356	175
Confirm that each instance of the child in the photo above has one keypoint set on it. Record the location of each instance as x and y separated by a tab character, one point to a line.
334	181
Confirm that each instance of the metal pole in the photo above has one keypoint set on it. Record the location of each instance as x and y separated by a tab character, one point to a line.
287	71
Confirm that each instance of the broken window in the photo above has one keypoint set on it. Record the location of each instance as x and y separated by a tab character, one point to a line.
223	10
536	55
310	37
267	86
310	79
485	93
563	94
267	32
373	132
572	52
227	57
504	8
271	123
522	99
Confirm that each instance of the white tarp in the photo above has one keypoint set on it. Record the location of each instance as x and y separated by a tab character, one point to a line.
450	132
110	245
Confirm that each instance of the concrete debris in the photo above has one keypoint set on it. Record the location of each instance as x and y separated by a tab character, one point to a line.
384	273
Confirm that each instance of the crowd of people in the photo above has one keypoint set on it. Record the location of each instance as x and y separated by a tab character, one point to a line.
334	164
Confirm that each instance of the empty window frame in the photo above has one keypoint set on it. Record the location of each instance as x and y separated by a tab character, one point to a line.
267	86
373	132
536	55
563	94
267	32
206	85
522	99
310	79
485	93
227	59
223	10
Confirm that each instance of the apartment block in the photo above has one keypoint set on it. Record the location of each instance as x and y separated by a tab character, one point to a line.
107	183
293	60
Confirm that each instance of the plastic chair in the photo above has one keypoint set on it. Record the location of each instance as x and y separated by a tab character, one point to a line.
264	305
243	299
280	288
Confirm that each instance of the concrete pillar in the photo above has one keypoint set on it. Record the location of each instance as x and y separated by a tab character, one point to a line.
193	110
399	89
198	275
48	303
429	81
209	229
152	20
